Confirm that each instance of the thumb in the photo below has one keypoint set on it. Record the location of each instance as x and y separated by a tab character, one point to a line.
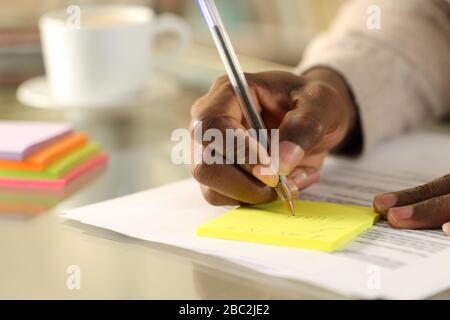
301	132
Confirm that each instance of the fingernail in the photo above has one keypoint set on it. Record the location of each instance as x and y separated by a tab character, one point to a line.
290	156
385	201
265	175
299	177
446	228
293	189
401	213
303	179
314	177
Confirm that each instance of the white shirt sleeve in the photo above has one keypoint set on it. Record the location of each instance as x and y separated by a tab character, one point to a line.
399	74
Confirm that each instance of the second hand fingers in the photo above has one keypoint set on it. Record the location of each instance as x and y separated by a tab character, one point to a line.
431	213
435	188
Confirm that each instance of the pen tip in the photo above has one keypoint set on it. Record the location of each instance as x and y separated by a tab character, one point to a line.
291	207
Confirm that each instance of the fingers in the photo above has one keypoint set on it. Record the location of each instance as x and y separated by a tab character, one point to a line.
308	172
219	101
225	139
309	117
290	155
310	127
435	188
303	177
422	207
218	199
431	213
446	228
300	132
218	121
233	183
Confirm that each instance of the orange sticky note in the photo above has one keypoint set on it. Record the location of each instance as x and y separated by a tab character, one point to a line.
41	159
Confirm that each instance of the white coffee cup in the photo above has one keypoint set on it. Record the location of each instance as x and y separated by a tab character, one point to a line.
106	55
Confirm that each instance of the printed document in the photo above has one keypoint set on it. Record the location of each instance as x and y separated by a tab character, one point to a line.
380	263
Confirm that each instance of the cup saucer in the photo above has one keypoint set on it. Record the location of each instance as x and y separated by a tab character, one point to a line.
36	93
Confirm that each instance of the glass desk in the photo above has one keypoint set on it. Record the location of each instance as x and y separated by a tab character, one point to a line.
35	253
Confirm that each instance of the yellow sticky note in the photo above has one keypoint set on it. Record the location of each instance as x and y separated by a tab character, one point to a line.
317	225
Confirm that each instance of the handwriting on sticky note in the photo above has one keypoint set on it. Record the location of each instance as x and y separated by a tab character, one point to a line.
317	225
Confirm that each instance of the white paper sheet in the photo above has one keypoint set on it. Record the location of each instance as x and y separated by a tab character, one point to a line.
381	263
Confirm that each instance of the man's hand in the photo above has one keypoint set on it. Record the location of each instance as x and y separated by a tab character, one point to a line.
423	207
313	113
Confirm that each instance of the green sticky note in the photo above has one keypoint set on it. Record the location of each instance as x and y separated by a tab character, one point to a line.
316	226
59	168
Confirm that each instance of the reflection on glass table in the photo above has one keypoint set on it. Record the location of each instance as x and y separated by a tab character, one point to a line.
28	202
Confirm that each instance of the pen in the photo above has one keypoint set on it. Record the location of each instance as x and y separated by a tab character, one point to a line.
240	85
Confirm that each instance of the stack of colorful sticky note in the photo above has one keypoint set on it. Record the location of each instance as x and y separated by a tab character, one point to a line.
45	155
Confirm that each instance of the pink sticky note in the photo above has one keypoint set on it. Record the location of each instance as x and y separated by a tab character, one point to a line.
20	138
81	169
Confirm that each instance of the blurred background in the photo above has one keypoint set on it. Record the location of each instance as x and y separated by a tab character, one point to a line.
276	30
